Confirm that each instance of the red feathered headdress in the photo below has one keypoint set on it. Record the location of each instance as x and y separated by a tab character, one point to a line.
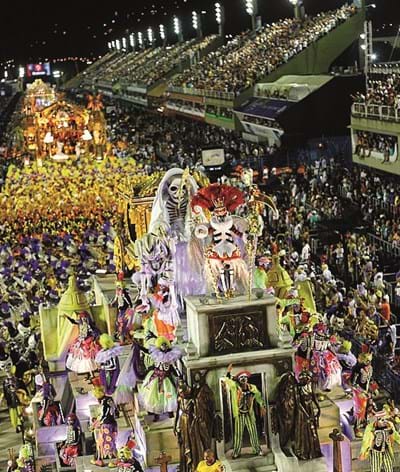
218	196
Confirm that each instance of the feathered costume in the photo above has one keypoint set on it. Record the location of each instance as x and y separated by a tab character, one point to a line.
158	393
223	235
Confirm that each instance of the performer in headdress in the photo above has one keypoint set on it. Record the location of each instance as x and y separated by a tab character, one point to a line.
108	361
158	393
82	353
69	449
224	265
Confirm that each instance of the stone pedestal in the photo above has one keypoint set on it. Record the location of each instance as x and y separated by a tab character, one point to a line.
243	333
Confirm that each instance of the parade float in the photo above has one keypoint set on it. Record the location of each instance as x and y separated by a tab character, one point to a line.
190	322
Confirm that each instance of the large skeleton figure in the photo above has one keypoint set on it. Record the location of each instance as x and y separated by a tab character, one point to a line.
171	216
222	235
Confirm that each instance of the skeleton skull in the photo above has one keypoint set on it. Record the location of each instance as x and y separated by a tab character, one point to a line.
175	191
6	364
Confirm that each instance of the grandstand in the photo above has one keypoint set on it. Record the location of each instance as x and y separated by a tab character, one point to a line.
375	120
206	79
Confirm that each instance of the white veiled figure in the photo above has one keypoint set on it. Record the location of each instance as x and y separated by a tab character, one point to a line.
172	215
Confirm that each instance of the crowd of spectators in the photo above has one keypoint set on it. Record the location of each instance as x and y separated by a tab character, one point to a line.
383	89
147	67
247	58
368	142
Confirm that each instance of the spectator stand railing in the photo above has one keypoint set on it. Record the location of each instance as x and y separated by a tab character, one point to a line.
376	202
386	246
203	93
375	112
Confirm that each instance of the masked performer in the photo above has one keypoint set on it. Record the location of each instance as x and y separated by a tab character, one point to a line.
361	382
108	360
158	393
243	395
126	462
49	413
379	438
70	448
123	302
105	429
224	263
82	353
13	389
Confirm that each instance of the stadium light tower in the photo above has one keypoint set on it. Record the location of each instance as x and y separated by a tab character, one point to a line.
367	47
150	36
178	29
140	39
220	17
163	36
252	10
298	6
196	22
124	44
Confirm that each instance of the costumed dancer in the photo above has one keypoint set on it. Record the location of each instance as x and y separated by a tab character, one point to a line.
108	360
49	413
377	445
225	267
361	379
105	429
243	396
13	391
134	369
158	393
210	463
126	462
82	353
326	368
347	360
69	449
25	460
123	302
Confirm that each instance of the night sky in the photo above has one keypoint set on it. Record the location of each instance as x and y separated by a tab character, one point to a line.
38	30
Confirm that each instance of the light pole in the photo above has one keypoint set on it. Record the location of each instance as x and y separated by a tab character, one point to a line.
163	36
140	39
299	12
178	29
252	10
367	47
220	18
150	36
124	44
132	41
196	22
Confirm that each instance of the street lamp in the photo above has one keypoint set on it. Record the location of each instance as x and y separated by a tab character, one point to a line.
220	18
196	22
178	29
252	10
